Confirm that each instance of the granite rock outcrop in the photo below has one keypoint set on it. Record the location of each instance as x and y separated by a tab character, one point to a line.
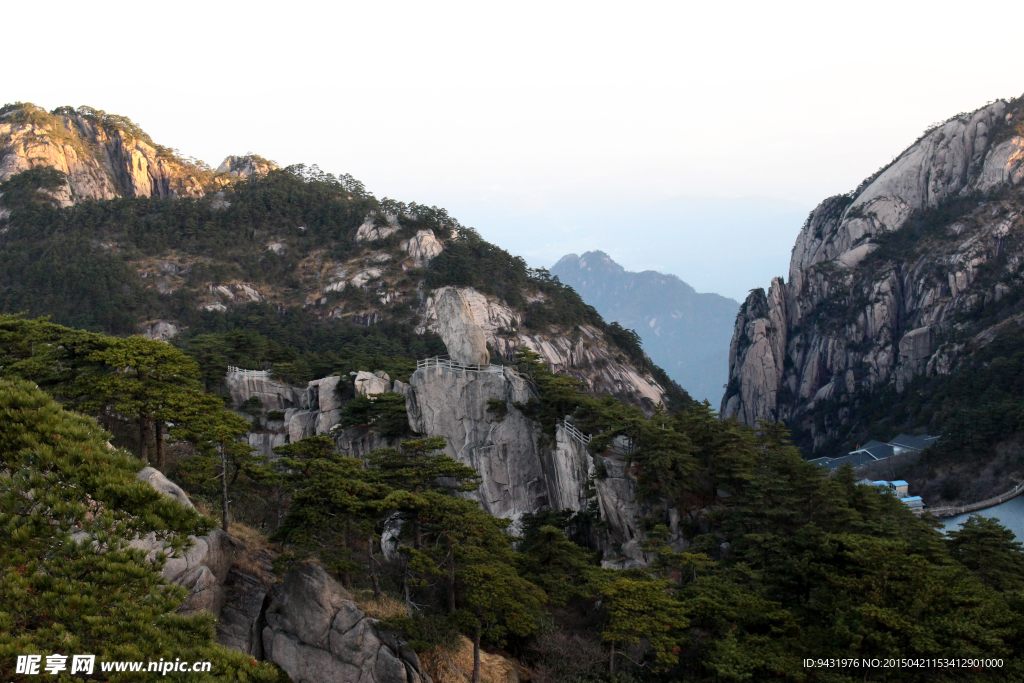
422	247
885	283
585	354
454	404
307	624
521	470
317	634
246	165
307	411
202	568
459	329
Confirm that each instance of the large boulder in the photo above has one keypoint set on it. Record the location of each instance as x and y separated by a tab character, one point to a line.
369	231
157	480
273	395
159	330
245	166
422	247
242	618
328	401
371	382
317	634
459	330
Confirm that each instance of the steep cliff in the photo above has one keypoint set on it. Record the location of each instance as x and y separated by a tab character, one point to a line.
584	352
899	282
685	332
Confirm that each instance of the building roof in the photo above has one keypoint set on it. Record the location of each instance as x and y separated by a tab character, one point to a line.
918	443
876	449
857	458
899	482
821	461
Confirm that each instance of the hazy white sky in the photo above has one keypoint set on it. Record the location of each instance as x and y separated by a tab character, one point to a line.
510	113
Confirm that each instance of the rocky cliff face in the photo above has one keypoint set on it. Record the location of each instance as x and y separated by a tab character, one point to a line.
305	411
504	449
306	623
685	332
585	353
317	634
522	471
888	282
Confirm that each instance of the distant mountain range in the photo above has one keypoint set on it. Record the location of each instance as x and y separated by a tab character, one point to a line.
683	331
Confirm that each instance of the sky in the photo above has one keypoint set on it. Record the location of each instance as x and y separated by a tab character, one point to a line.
691	138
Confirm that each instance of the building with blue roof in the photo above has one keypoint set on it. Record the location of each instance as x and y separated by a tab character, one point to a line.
900	489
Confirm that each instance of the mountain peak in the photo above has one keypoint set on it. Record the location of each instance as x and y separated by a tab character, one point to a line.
901	283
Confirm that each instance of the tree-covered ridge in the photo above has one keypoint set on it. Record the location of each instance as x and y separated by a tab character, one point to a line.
83	265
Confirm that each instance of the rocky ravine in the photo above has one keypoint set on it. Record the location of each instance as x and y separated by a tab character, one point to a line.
884	281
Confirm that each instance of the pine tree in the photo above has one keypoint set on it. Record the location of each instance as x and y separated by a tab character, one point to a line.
989	550
562	569
149	381
643	609
214	431
334	509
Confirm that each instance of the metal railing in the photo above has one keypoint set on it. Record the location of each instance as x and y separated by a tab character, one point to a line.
443	362
264	374
953	511
576	434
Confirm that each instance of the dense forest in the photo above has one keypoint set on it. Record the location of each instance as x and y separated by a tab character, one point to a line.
782	562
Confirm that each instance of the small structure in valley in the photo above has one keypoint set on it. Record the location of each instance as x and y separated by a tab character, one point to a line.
873	451
900	489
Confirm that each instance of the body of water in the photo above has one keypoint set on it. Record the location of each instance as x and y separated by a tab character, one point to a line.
1010	514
